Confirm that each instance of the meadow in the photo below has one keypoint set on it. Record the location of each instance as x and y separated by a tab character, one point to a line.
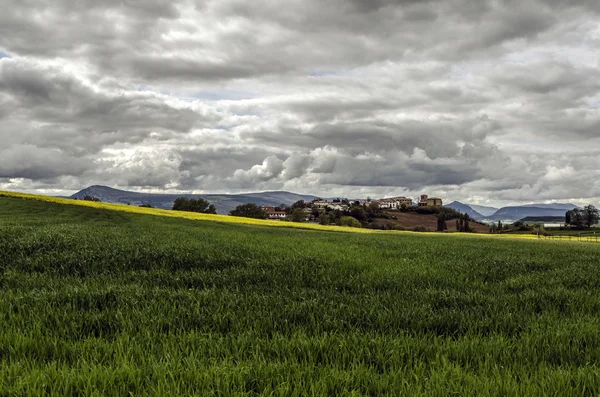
97	301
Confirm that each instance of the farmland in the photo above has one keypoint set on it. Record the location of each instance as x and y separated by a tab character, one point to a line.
94	300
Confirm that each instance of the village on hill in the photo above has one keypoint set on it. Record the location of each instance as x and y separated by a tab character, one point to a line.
321	205
396	213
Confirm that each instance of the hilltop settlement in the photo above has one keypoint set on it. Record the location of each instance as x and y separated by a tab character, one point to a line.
397	213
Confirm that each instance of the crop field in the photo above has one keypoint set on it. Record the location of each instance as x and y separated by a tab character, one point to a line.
95	301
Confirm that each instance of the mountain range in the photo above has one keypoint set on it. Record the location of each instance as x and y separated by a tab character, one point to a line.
223	202
512	213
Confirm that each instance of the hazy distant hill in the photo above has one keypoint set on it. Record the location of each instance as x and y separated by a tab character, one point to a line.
223	202
520	212
558	206
484	210
513	213
466	209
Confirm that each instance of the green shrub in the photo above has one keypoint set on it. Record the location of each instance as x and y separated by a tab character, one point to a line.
349	221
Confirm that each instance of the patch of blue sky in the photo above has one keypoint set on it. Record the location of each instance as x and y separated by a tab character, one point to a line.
224	127
3	54
326	73
222	95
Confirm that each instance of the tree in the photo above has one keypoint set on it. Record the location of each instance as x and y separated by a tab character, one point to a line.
403	207
577	218
249	210
298	204
568	218
590	215
298	215
441	223
359	213
499	225
349	221
146	206
458	223
91	198
372	211
466	227
194	205
334	216
324	219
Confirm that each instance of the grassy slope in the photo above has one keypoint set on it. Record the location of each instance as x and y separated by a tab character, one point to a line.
97	300
223	218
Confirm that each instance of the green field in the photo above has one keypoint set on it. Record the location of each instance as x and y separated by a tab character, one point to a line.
100	302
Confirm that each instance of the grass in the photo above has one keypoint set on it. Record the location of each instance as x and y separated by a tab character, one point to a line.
102	302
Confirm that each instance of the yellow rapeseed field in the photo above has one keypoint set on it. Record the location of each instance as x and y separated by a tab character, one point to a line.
243	221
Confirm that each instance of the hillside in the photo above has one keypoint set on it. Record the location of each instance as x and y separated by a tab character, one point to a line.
484	210
516	213
511	213
223	202
465	209
556	206
131	304
412	220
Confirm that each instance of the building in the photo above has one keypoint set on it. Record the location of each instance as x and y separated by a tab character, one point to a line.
387	204
427	201
273	214
320	203
404	200
338	207
394	203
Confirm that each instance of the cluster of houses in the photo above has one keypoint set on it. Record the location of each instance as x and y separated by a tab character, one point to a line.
395	203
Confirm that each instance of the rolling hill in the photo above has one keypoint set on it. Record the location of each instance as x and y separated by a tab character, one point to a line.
484	210
466	209
520	212
223	202
513	213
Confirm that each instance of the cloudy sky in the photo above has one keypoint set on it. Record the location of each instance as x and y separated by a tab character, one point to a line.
484	101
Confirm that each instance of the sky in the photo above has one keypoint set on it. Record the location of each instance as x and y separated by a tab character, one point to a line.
491	102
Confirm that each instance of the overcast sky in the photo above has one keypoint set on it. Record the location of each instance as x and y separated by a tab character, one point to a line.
487	102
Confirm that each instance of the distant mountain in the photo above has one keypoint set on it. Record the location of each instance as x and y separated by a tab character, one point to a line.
484	210
512	213
466	209
223	202
558	206
542	219
520	212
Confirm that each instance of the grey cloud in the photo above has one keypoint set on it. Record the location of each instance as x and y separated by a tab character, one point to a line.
31	162
456	97
271	168
76	116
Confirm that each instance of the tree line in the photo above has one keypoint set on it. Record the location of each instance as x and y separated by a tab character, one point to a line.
582	218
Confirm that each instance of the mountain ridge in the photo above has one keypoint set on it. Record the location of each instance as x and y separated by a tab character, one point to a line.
223	202
515	212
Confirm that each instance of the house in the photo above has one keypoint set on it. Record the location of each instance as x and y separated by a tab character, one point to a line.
427	201
338	207
320	203
394	203
407	201
387	204
273	214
